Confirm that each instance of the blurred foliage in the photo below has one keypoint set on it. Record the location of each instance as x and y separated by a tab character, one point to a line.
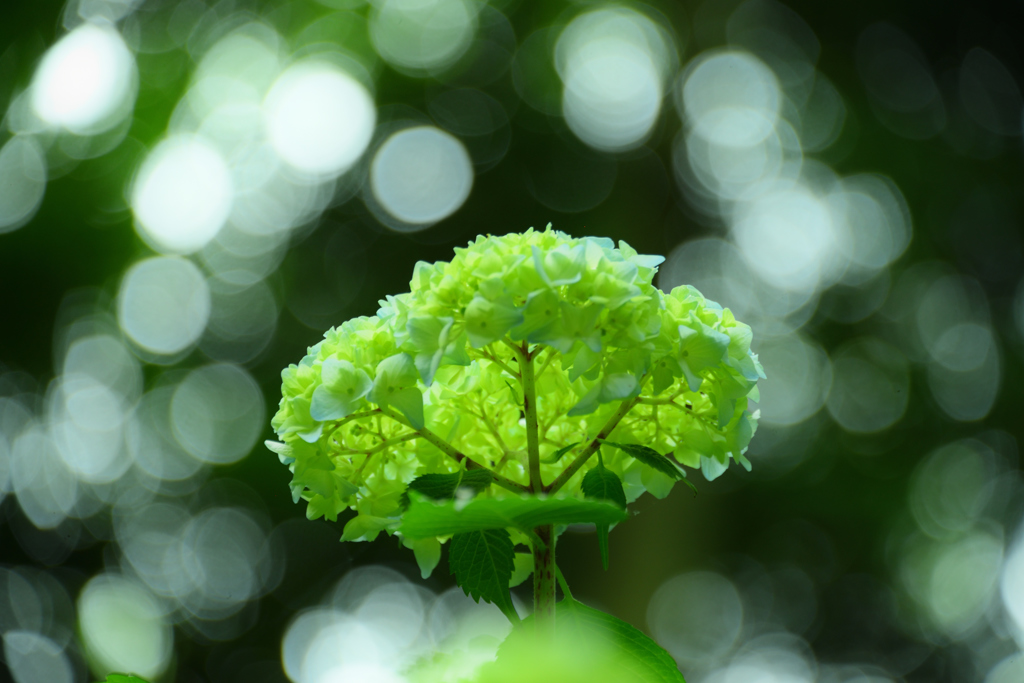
877	536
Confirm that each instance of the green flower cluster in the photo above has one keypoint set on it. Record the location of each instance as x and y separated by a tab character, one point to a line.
433	383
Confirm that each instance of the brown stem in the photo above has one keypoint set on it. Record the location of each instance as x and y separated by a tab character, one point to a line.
592	447
544	580
530	414
456	454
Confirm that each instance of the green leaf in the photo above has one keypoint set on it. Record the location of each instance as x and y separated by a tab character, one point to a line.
482	562
427	552
427	518
410	402
604	484
444	486
651	458
515	394
522	569
592	644
123	678
647	659
557	455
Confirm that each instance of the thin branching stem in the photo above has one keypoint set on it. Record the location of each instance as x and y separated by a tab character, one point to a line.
454	453
487	355
592	447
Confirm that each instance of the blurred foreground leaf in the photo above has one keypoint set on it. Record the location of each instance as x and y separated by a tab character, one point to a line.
123	678
427	518
590	646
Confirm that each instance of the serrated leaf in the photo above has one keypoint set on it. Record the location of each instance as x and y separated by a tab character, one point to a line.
444	486
482	562
651	458
428	518
603	484
123	678
624	652
557	455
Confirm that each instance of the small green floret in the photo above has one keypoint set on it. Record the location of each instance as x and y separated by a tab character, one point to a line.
422	387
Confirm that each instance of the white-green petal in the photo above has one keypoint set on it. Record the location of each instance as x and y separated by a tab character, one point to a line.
410	402
427	552
560	266
702	347
487	321
712	468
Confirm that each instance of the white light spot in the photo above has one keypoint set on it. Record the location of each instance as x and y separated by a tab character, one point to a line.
123	628
87	420
164	304
952	487
22	181
149	536
963	581
874	218
86	81
421	175
731	98
105	358
612	63
788	238
31	657
225	562
46	489
717	269
1010	670
182	195
364	673
966	395
217	413
319	118
801	381
422	34
697	617
151	441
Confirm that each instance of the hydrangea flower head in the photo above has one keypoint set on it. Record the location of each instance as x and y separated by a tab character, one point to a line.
433	382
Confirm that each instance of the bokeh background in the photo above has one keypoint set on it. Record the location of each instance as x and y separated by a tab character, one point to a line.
192	191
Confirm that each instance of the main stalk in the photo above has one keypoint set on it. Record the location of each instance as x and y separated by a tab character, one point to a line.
530	414
544	579
544	538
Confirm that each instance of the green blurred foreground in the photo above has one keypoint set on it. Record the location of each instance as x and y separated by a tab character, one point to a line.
191	192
